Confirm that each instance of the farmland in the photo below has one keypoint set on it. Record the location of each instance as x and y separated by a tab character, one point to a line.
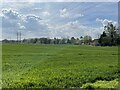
58	66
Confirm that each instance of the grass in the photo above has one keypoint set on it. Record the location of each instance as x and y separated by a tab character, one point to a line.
102	84
57	66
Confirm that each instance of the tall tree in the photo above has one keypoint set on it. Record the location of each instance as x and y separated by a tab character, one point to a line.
87	39
111	31
110	35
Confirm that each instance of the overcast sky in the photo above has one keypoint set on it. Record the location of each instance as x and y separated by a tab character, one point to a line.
56	19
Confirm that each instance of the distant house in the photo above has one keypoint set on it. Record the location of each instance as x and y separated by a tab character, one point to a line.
95	42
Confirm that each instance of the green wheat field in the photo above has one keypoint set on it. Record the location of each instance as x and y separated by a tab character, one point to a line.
59	66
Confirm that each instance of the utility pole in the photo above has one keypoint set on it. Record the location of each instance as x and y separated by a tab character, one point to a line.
20	38
17	37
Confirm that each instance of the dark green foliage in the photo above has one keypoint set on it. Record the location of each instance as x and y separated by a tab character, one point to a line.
110	36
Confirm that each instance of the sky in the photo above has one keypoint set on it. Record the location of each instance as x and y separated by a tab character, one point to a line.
56	19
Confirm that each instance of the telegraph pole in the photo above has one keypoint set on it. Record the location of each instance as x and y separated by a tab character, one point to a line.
20	37
17	37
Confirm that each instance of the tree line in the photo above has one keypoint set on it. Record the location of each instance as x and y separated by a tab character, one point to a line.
109	37
76	41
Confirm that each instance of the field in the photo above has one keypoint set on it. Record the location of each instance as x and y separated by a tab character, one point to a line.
59	66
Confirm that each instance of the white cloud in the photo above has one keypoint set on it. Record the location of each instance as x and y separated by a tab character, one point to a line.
64	13
36	9
10	18
46	13
13	21
106	21
34	23
78	15
21	27
10	14
33	26
33	17
75	29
